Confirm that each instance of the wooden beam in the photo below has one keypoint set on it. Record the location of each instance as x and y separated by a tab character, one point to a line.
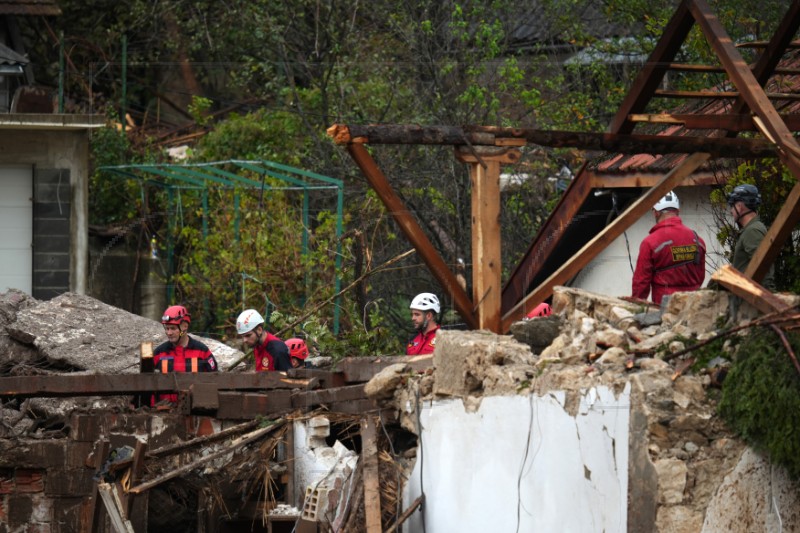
413	232
118	385
719	95
372	491
728	121
748	290
546	241
654	69
478	136
589	251
646	180
486	239
773	127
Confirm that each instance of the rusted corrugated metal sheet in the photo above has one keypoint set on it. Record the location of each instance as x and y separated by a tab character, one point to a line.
29	7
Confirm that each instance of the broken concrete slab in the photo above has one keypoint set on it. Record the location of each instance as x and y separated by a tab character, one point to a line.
78	332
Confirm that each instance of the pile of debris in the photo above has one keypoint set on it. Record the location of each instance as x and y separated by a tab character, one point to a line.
684	465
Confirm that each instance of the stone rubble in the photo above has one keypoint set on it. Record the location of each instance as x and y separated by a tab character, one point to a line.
685	463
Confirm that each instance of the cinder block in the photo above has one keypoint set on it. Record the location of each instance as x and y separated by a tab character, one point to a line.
315	504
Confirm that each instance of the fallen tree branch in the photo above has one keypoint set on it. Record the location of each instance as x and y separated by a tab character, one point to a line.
766	320
786	345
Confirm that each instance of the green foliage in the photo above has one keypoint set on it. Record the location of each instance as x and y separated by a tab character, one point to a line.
761	398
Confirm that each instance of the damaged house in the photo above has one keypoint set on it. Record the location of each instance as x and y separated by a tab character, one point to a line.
593	419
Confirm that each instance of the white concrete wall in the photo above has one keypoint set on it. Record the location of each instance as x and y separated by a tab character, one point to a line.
610	272
523	463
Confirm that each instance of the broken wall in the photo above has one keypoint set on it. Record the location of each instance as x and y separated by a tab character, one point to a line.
597	432
524	463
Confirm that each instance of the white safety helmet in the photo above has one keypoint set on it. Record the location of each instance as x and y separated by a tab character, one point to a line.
668	201
425	301
248	320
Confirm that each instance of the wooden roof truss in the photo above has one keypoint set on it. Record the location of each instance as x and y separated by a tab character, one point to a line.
485	149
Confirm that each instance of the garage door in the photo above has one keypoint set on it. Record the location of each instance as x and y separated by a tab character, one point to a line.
16	228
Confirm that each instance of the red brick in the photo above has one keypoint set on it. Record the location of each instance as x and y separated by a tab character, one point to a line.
3	509
6	481
28	481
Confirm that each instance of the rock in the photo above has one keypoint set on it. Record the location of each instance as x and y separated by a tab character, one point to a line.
538	333
463	360
613	356
676	346
698	310
555	349
654	342
648	319
611	337
649	363
11	302
568	299
749	497
679	519
671	480
383	384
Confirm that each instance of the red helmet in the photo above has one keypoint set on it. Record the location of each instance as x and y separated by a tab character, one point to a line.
543	309
175	314
297	348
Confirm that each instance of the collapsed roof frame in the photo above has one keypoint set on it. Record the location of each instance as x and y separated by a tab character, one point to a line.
200	175
485	148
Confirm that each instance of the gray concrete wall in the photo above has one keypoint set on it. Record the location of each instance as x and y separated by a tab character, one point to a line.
56	153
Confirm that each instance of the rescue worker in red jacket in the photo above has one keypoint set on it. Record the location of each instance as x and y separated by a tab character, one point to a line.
298	352
181	353
424	312
270	352
672	257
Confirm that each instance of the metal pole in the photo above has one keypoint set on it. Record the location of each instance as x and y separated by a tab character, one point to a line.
61	72
306	225
124	110
338	261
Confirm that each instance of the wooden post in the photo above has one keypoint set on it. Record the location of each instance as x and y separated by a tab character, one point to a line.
372	491
486	261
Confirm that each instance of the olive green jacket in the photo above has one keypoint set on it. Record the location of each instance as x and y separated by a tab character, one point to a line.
747	243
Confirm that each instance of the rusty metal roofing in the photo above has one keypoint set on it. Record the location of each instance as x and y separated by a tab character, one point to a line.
29	7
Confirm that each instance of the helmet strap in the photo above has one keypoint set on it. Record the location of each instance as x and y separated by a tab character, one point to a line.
740	215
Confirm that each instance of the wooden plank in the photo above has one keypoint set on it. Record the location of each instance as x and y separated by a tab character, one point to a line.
582	258
91	511
113	506
413	232
288	443
748	290
372	494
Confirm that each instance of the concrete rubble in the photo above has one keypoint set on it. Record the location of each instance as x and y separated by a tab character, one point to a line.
592	370
687	471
